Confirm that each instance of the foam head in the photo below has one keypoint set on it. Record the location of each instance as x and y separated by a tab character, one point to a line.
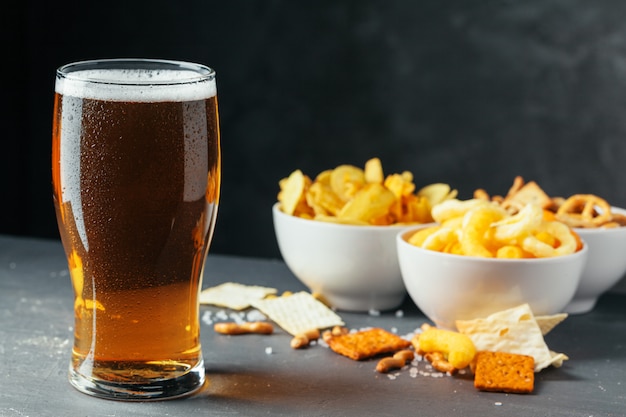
158	81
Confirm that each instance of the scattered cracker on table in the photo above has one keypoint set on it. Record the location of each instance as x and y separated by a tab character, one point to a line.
234	295
504	372
514	330
298	313
367	343
547	323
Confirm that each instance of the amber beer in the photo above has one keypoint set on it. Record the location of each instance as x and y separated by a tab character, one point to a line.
136	178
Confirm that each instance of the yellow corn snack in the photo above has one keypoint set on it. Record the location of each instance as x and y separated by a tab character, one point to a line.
458	348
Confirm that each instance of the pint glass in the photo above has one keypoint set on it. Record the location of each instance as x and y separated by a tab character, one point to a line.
136	183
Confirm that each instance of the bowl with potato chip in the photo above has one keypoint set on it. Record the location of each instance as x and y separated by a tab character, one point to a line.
606	263
352	268
336	232
479	259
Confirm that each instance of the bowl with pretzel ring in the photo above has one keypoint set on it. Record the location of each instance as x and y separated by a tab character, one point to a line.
603	228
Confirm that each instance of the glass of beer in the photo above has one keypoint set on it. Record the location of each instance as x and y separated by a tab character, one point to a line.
136	172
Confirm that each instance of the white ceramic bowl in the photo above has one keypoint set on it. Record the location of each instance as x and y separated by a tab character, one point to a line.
355	268
448	287
606	265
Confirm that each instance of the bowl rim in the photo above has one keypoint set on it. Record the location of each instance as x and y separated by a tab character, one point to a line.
403	235
397	227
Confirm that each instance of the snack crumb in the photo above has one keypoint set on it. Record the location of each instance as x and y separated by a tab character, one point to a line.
268	350
399	313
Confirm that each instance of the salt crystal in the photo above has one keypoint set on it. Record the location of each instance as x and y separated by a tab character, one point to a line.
255	315
206	318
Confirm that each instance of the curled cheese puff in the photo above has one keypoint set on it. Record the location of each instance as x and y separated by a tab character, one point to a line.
566	242
476	223
458	348
440	239
418	237
451	208
510	252
520	225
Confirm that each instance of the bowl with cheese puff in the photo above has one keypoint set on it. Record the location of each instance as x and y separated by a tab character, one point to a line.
455	271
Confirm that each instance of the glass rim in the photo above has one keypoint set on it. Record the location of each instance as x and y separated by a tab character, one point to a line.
72	71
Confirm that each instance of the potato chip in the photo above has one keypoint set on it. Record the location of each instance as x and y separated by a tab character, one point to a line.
298	313
346	180
346	195
513	330
400	184
374	171
323	200
291	191
234	295
371	202
437	193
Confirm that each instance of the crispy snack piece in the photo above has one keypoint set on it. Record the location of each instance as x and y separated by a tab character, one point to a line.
298	313
529	193
232	328
367	343
584	210
457	348
349	194
504	372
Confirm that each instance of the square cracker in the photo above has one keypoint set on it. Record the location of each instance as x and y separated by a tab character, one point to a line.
529	193
504	372
234	295
298	313
367	343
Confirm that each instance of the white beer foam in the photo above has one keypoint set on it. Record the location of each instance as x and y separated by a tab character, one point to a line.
138	85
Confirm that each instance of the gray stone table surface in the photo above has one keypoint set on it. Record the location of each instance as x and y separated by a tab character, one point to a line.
253	375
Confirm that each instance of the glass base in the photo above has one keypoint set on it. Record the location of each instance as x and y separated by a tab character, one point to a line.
146	390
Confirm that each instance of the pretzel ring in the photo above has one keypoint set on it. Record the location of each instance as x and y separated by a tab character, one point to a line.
580	211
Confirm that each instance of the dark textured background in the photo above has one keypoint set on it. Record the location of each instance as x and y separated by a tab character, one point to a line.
466	92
